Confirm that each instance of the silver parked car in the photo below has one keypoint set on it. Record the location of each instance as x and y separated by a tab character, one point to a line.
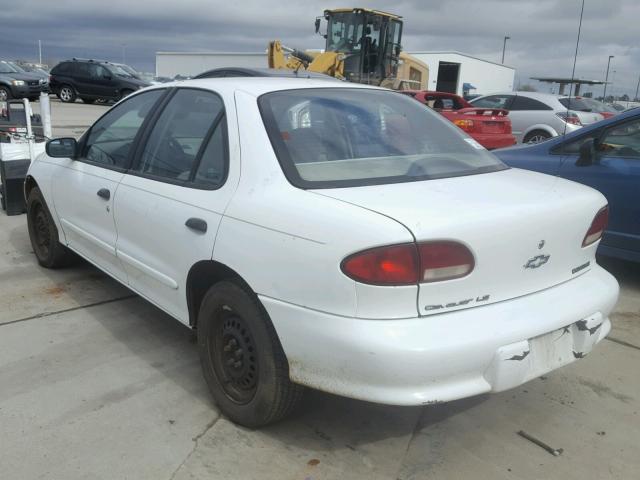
536	117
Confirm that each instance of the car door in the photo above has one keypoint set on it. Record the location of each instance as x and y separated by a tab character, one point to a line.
616	173
83	81
103	82
170	204
84	189
526	112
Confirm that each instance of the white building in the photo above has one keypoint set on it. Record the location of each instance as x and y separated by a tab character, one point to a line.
448	71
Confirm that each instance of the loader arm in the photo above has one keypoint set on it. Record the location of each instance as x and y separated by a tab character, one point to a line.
283	57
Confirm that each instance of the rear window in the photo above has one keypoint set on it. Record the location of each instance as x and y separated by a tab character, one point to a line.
576	104
62	68
336	137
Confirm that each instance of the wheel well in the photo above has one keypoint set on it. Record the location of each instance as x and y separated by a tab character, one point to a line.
201	277
29	184
538	129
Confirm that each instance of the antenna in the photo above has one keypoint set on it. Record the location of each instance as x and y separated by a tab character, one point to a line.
573	72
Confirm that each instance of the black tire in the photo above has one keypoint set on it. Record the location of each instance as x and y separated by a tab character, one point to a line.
5	93
537	136
242	360
44	234
88	100
125	93
67	94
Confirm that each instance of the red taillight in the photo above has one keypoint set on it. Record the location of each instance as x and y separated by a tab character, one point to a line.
569	117
409	264
394	265
466	125
597	227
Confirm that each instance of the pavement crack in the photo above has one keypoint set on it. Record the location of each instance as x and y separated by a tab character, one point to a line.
66	310
195	439
623	343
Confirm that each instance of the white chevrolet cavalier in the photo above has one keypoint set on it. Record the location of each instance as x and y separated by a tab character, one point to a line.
330	235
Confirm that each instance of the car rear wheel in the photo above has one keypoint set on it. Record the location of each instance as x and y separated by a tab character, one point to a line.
5	94
242	359
67	94
44	234
537	136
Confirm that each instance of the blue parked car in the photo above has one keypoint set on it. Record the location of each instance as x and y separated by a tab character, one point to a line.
605	156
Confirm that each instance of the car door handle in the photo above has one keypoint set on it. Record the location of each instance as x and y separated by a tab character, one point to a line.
104	193
197	224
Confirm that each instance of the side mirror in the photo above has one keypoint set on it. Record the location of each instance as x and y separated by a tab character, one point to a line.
62	148
318	25
587	154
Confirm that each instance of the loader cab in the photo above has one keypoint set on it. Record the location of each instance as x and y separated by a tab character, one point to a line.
369	41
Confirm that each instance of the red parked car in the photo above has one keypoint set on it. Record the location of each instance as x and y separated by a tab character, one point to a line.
490	127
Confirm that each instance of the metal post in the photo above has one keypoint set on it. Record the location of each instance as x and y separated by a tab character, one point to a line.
635	99
40	52
606	79
45	114
504	47
28	113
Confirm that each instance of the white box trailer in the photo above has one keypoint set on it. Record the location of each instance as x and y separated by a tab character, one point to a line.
456	72
170	64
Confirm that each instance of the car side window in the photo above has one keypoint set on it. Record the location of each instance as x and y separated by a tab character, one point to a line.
186	140
494	101
573	147
111	138
83	70
526	103
621	141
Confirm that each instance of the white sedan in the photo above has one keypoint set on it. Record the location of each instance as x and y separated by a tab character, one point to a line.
340	237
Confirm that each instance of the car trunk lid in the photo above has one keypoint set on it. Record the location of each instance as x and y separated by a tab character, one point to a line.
524	229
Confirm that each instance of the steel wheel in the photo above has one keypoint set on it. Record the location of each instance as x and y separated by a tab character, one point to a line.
233	357
4	94
41	232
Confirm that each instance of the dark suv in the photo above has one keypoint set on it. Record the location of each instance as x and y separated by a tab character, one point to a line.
91	80
16	84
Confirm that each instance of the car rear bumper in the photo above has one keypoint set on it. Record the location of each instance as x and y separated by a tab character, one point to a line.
444	357
493	140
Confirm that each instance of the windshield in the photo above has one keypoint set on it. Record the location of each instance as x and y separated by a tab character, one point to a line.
17	67
118	71
5	67
335	137
344	32
586	105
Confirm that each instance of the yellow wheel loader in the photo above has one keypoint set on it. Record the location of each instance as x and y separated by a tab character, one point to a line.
362	46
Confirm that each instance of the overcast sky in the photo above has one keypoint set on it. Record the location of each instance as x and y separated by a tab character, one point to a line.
543	32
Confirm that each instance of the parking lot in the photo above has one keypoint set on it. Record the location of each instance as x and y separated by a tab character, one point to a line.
97	383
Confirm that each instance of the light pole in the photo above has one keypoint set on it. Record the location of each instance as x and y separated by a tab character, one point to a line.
635	99
604	95
40	52
504	47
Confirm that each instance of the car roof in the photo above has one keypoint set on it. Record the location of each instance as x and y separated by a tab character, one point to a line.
237	72
534	95
259	85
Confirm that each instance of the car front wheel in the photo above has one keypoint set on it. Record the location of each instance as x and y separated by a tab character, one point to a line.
5	94
242	359
44	234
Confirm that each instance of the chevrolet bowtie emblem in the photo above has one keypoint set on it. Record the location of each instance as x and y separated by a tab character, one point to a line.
537	261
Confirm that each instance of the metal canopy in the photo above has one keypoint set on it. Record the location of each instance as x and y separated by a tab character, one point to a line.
578	82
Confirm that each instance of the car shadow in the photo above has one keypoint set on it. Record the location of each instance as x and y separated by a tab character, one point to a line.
624	271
